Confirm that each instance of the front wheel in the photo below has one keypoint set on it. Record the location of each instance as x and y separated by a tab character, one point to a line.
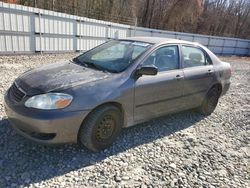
101	128
210	102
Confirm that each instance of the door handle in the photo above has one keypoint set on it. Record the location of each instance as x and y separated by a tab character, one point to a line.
179	77
210	71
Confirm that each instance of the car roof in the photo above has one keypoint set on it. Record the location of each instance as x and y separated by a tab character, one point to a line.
159	40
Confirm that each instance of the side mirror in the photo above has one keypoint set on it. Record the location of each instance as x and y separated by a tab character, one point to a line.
146	70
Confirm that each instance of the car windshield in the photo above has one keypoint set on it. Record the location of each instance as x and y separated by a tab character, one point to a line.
113	56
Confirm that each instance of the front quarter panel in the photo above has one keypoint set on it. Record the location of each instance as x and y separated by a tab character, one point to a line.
119	88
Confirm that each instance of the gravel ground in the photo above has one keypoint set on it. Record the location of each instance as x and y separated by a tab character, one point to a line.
179	150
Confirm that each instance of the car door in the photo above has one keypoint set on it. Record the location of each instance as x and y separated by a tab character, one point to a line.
161	93
198	73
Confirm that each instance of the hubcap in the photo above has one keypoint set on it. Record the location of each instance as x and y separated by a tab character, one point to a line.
105	128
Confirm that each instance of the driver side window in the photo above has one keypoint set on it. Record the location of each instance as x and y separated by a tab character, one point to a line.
165	58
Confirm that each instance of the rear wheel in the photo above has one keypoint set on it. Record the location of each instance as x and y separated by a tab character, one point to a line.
210	102
101	128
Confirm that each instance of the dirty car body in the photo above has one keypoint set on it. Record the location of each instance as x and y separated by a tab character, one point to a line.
186	72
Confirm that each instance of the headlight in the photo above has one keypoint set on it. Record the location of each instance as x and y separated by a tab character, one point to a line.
49	101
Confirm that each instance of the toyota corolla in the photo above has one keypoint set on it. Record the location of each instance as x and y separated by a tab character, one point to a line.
89	99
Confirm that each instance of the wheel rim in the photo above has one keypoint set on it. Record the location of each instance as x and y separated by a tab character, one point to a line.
105	128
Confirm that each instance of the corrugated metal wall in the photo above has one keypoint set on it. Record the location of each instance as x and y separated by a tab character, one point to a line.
29	30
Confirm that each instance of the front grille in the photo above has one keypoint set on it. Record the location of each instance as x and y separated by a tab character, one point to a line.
15	93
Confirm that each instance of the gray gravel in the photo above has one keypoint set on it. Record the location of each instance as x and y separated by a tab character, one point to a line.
180	150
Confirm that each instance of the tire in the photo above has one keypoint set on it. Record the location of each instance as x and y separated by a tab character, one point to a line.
101	128
210	102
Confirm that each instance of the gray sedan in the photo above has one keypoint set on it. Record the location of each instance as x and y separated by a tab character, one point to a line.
89	99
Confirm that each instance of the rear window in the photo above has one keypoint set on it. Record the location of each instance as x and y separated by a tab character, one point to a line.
194	57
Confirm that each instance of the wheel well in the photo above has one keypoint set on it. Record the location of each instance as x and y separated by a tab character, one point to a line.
116	104
218	86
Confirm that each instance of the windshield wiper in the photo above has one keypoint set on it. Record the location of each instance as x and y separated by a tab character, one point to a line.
93	65
76	60
89	64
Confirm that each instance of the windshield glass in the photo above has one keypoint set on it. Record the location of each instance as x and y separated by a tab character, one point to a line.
113	56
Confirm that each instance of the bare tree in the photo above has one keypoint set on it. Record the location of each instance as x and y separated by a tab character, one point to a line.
212	17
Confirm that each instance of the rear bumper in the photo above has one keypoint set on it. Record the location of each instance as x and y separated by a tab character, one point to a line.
59	127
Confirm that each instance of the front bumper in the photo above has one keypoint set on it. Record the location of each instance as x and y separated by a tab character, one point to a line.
59	127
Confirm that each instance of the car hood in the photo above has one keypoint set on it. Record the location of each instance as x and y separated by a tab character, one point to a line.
58	76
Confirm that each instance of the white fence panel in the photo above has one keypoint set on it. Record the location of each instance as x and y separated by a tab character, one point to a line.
85	43
243	44
163	34
91	30
2	44
158	34
242	51
217	50
216	42
142	33
231	43
185	37
115	32
1	21
202	40
229	50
